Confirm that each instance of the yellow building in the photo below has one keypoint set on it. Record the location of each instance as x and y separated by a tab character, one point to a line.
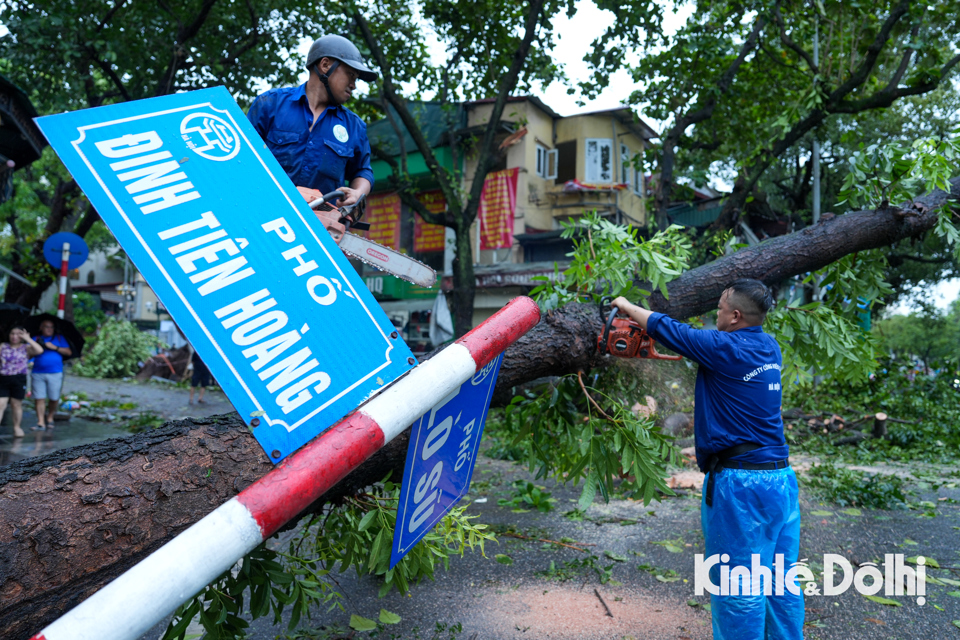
566	167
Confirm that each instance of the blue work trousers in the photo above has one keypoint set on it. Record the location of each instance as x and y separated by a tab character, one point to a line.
754	512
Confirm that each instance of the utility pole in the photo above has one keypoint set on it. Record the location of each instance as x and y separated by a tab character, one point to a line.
816	143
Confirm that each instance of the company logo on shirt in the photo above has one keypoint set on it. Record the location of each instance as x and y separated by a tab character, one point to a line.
210	137
761	369
340	133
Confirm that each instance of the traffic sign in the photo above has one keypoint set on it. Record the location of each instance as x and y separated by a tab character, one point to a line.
53	250
440	458
239	260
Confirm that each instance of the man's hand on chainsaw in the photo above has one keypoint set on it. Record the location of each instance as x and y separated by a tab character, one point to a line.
622	304
351	196
636	313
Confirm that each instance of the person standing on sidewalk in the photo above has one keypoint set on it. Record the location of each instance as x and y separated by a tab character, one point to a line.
750	506
47	376
201	377
13	373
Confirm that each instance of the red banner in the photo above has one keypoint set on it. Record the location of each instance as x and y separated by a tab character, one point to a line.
383	214
429	237
498	204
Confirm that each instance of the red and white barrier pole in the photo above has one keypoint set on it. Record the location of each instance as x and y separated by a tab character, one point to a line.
64	260
143	596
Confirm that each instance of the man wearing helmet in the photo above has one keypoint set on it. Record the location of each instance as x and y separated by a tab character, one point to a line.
320	143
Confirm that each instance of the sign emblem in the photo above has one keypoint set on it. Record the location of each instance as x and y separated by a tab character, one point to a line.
340	133
210	136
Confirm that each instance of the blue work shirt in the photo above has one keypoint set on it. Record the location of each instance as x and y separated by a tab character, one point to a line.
737	397
334	153
49	361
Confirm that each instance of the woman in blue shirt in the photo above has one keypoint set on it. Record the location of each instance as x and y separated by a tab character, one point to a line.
320	143
47	376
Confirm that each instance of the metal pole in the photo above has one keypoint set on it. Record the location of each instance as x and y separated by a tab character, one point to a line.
816	143
64	260
816	146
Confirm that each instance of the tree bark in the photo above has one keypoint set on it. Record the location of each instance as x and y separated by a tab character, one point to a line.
74	519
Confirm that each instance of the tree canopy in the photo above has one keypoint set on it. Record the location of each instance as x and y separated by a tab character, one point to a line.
742	89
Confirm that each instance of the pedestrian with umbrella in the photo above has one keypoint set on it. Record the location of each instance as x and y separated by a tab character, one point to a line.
47	376
13	373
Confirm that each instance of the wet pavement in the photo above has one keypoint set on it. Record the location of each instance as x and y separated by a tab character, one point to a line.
649	551
163	400
650	592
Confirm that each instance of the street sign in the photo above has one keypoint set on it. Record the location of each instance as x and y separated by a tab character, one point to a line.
237	257
53	250
440	458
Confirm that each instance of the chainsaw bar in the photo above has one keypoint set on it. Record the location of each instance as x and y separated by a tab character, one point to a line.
385	259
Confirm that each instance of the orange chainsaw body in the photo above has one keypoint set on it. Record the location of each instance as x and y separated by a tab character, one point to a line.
627	339
328	215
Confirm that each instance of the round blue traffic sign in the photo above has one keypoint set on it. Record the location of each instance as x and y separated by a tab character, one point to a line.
53	249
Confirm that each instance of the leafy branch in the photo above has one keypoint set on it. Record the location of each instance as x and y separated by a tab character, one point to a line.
357	534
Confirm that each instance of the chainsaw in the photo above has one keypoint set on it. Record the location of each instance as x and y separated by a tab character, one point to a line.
625	338
339	221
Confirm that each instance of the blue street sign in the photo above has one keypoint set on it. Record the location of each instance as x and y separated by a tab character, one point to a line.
440	458
236	256
53	250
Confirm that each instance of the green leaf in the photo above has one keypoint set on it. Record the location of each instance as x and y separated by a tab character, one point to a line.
589	491
886	601
821	513
614	556
359	623
367	520
852	512
930	562
662	578
503	559
387	617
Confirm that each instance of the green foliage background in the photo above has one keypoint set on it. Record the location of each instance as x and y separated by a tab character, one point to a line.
117	352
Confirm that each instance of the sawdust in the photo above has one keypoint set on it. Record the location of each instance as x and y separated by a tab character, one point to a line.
686	480
567	613
647	409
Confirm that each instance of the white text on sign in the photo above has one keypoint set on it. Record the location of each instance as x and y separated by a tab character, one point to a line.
288	374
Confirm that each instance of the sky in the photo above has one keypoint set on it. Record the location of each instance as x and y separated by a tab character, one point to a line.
574	36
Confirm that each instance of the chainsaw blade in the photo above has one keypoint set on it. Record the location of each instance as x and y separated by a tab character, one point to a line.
385	259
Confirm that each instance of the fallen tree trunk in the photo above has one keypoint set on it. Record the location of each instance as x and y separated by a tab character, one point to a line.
72	520
77	518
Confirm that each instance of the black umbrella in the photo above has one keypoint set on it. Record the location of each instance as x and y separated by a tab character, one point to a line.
11	315
66	329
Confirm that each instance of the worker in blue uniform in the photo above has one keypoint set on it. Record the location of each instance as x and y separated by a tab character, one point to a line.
320	144
750	499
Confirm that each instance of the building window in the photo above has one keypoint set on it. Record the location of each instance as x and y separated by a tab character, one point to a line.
566	161
599	158
546	162
638	182
625	159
